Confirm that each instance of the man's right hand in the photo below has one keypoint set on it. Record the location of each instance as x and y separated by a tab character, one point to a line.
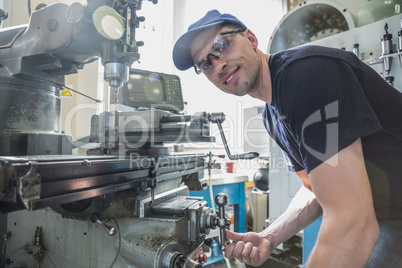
251	248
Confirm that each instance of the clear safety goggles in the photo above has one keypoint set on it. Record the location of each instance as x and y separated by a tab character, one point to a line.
220	46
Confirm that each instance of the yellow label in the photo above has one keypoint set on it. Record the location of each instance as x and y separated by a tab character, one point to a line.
66	92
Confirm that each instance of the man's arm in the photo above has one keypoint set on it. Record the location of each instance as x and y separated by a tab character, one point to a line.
349	229
255	248
303	210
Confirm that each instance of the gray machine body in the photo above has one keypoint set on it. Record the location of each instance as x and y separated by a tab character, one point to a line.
112	207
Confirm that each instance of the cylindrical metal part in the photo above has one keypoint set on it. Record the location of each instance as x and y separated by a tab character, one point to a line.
356	50
386	48
222	237
116	73
155	242
386	42
386	45
29	107
169	255
149	251
400	39
207	221
172	256
214	117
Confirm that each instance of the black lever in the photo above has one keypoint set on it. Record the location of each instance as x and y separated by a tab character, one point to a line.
218	118
222	222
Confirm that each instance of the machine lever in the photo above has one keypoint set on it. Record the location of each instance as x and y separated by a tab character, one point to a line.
94	218
152	183
221	221
218	119
250	155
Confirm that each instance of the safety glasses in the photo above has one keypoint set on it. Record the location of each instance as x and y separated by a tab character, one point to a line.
221	45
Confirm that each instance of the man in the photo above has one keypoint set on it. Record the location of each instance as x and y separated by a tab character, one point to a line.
339	124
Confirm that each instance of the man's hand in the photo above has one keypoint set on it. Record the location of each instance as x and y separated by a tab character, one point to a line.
255	248
251	248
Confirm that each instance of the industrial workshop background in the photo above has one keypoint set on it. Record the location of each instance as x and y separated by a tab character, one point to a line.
155	209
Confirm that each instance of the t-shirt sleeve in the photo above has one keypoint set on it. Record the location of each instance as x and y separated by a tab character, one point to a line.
325	107
278	135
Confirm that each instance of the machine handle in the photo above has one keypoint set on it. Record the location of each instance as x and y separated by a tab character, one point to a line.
246	156
222	222
95	218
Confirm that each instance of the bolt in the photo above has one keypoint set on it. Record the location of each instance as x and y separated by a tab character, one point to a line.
52	25
6	236
86	162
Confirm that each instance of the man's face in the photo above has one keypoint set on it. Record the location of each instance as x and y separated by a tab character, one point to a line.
236	70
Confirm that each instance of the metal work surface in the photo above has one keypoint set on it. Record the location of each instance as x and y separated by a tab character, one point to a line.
45	181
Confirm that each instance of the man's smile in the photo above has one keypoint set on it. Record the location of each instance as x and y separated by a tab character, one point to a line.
229	78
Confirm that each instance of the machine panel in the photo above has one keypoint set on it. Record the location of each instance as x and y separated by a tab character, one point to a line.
153	90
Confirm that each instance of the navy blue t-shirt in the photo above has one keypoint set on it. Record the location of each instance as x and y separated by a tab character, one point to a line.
324	99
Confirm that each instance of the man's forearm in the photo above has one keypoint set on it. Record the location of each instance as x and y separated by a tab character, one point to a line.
302	211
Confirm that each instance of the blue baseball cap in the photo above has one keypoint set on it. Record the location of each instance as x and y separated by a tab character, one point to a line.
181	52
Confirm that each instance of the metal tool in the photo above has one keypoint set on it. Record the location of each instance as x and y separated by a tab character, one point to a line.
221	200
356	50
386	49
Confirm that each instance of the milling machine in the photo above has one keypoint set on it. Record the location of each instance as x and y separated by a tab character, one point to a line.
124	204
